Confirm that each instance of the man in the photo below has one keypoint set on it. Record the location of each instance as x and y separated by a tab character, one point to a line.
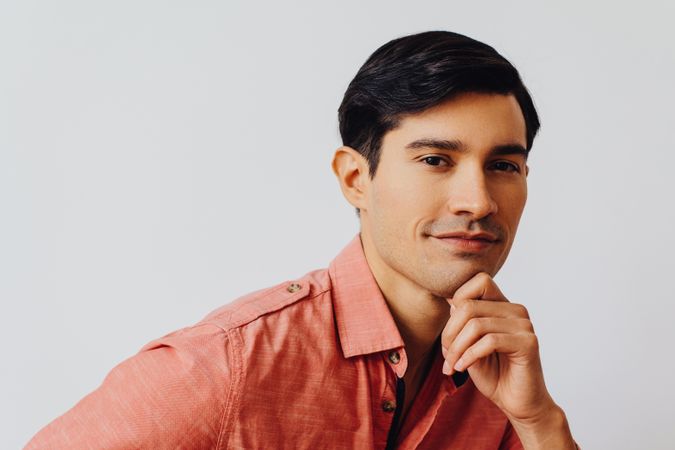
405	341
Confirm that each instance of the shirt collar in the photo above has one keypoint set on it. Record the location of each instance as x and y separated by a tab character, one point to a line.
365	324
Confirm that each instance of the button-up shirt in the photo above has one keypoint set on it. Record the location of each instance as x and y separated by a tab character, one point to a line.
312	363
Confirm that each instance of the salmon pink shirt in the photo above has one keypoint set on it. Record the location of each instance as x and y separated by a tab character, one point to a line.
312	363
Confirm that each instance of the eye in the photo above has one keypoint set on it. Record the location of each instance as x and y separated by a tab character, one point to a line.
435	160
506	166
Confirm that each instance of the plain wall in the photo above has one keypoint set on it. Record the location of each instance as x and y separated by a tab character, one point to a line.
161	158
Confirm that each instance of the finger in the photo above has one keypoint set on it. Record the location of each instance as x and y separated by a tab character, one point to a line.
480	286
487	308
465	310
511	344
476	328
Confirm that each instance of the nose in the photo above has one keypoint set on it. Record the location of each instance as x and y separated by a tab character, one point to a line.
469	194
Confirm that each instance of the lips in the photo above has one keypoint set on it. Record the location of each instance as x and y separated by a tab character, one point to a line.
467	241
480	236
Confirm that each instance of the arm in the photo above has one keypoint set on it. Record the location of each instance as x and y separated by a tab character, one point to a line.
172	394
551	431
554	437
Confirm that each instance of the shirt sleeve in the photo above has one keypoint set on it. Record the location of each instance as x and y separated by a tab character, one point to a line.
173	394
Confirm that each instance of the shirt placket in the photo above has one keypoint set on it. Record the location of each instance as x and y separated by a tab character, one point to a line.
387	407
436	390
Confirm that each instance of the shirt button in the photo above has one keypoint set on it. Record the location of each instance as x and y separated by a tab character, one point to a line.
388	406
294	287
394	357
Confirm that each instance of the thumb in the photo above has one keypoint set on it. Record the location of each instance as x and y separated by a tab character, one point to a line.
481	286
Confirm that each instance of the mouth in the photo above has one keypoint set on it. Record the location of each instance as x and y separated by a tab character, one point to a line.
467	242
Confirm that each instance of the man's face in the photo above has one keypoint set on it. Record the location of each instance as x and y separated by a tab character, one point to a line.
448	192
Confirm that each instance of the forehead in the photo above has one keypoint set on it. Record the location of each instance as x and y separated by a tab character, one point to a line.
477	120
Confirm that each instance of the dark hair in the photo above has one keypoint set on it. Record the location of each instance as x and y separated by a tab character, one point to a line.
413	73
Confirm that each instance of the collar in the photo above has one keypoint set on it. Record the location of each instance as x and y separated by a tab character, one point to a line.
365	324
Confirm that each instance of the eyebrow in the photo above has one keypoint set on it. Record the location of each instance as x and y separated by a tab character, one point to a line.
455	145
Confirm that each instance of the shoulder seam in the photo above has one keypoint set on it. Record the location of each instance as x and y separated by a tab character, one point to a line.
288	301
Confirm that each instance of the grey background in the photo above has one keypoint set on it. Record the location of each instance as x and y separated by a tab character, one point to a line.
159	159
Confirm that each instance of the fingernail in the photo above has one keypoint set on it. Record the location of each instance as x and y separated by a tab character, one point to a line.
459	365
446	368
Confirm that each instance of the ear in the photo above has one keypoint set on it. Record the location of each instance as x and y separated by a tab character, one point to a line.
351	170
527	170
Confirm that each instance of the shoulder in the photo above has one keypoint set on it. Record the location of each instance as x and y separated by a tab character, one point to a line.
171	393
275	300
190	378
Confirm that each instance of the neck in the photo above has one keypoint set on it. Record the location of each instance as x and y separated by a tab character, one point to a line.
419	315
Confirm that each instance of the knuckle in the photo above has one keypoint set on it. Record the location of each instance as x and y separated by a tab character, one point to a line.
491	339
533	341
445	341
466	309
522	310
475	325
453	348
527	325
468	355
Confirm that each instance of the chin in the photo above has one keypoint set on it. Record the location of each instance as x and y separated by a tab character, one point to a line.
444	284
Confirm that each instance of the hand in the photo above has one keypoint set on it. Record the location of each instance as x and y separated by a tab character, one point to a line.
495	340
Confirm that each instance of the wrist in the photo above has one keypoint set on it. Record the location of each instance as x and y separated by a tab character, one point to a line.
548	431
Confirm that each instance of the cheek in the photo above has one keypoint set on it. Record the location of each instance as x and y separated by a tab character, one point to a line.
511	205
400	202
